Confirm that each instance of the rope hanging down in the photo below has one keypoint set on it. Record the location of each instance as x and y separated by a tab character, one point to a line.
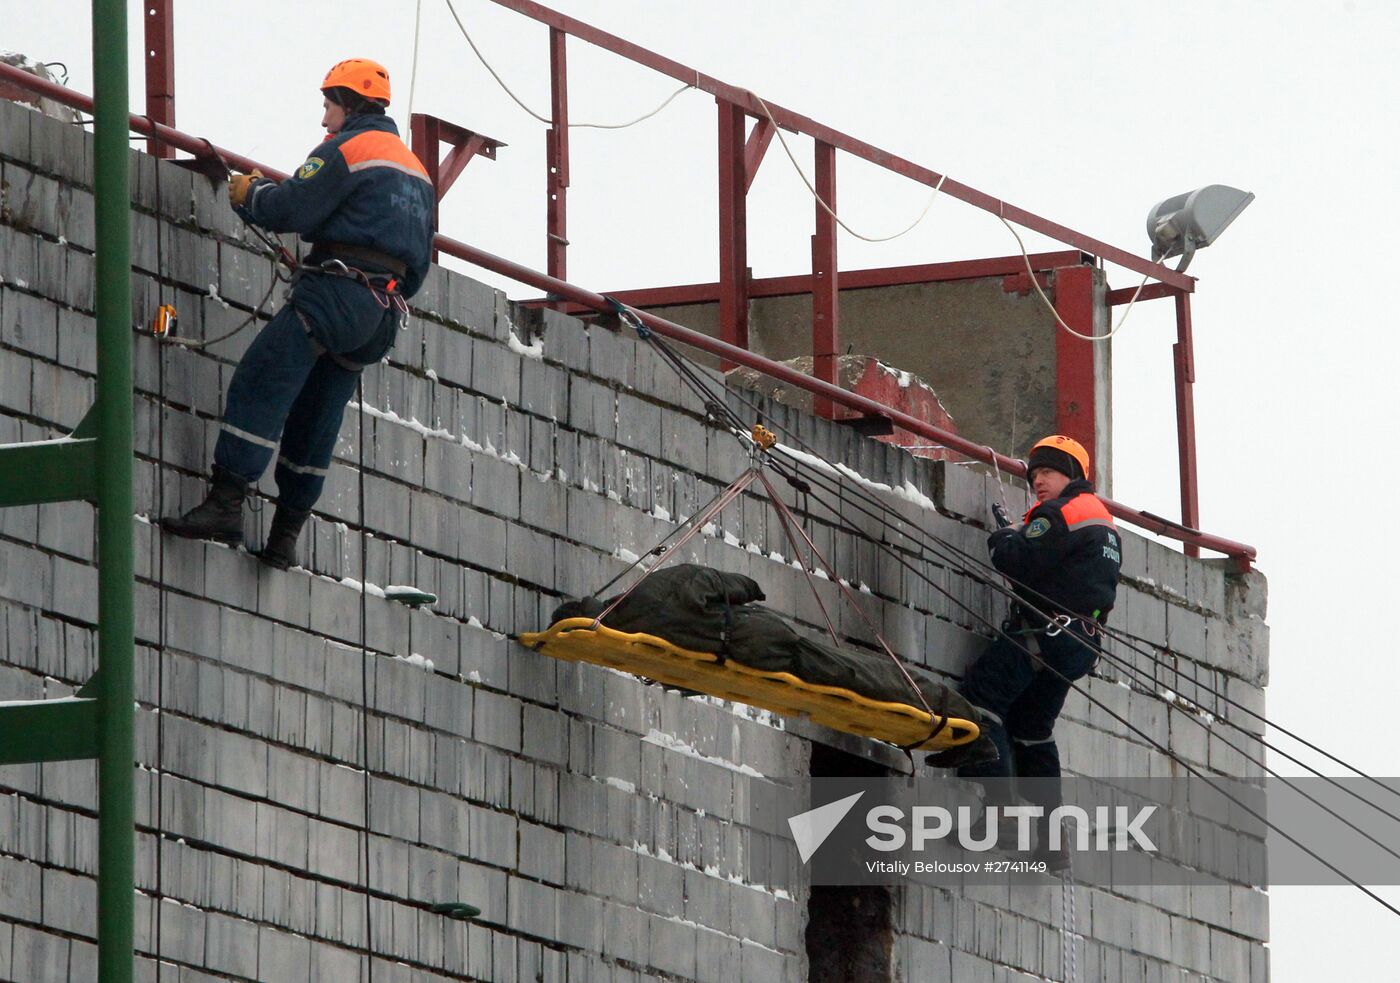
545	119
822	202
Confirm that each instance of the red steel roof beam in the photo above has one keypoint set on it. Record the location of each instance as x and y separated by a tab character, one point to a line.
733	230
1242	553
757	145
826	312
787	119
160	69
1075	397
556	152
1184	371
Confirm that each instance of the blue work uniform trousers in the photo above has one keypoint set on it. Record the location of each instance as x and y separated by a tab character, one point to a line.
289	391
1022	699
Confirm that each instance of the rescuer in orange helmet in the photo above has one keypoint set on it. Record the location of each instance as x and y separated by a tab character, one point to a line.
1062	561
364	204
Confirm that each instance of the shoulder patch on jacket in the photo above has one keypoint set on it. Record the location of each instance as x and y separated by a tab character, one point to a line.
1038	527
310	168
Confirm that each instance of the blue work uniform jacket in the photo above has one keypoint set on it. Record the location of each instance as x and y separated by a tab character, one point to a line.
362	187
1065	556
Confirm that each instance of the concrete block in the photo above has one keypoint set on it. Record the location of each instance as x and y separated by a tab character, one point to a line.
544	389
28	322
496	373
566	339
638	424
495	486
448	353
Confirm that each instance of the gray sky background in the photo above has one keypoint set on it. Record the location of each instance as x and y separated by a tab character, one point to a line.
1087	114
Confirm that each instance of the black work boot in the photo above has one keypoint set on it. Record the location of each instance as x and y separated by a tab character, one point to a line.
280	550
219	517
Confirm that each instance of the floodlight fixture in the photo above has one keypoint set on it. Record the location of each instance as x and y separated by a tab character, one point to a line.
1184	223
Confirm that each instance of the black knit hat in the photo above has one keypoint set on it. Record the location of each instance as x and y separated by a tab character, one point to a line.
1054	459
352	102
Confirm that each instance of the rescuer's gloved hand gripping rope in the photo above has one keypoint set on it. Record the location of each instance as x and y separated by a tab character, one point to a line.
240	184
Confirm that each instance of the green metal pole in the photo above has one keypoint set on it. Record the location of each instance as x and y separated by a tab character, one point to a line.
116	831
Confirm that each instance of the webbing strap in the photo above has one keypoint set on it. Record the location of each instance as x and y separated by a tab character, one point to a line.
697	523
938	718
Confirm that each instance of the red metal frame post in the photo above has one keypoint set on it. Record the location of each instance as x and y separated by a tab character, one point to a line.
160	70
1075	397
426	135
557	159
1184	363
826	338
733	231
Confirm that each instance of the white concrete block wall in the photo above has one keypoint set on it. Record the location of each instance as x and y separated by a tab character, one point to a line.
537	790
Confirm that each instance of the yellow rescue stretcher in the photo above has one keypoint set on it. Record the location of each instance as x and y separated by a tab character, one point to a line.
576	640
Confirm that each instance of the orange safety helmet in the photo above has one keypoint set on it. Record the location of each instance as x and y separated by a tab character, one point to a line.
361	76
1055	446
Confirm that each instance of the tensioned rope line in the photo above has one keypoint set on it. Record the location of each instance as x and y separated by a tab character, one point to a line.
1119	717
938	719
1260	762
995	581
822	202
1311	798
1146	738
545	119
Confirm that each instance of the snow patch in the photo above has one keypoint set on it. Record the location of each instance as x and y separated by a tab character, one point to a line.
414	659
672	743
534	350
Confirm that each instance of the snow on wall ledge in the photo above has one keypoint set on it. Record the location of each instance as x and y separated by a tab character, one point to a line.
509	460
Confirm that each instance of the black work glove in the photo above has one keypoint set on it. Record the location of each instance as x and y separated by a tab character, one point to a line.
1000	536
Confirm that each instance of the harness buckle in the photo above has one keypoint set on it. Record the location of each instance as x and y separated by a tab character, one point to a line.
1060	623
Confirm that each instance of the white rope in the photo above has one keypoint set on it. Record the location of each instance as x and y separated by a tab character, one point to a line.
413	78
1001	488
1036	284
1069	926
827	208
545	119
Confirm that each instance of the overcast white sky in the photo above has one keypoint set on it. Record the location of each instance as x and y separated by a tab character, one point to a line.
1086	113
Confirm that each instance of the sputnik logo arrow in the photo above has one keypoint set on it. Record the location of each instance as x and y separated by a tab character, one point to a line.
810	829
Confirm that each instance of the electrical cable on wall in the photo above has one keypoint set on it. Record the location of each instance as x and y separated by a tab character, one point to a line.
1036	284
545	119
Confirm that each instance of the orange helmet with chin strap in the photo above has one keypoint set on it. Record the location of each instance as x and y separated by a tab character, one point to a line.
365	78
1060	453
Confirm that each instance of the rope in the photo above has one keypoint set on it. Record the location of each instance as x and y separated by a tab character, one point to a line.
1051	307
413	77
1069	926
727	496
364	679
827	208
1040	663
545	119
